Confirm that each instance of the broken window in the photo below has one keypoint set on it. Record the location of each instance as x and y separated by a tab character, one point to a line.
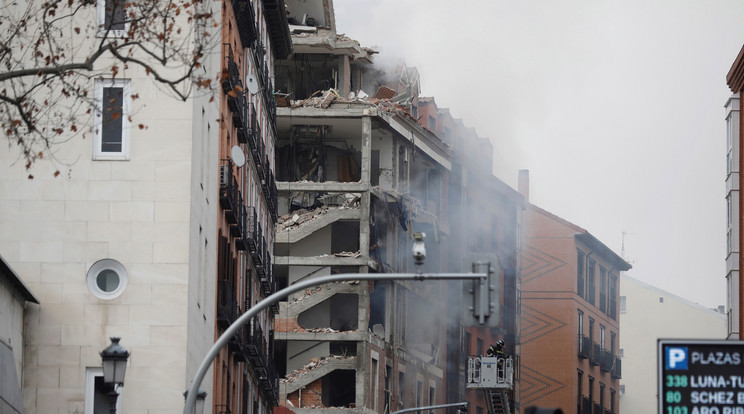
377	309
339	388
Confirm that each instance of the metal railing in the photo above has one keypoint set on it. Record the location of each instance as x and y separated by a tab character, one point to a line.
585	346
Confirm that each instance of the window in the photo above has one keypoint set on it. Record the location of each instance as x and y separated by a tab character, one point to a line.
591	329
401	387
613	337
419	393
580	273
466	346
591	389
579	390
581	322
602	289
612	401
374	383
612	299
432	397
107	279
96	394
111	137
622	304
602	337
432	123
601	395
388	391
111	15
590	293
479	346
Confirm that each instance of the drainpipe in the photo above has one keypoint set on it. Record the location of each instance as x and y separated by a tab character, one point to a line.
741	222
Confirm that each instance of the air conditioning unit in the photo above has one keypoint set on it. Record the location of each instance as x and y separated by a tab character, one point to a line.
225	174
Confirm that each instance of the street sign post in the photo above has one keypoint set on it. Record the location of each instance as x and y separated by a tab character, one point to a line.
700	376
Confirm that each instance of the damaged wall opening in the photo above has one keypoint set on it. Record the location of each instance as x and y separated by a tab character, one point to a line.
340	312
339	388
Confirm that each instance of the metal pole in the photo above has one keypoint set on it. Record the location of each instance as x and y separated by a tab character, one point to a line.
261	305
463	404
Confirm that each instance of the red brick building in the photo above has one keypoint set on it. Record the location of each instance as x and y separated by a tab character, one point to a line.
570	333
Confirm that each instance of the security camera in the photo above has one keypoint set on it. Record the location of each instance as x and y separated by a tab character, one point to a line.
419	248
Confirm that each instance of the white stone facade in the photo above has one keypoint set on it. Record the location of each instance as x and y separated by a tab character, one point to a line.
646	315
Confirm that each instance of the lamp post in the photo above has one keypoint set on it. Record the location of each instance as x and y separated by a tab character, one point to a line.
114	359
201	397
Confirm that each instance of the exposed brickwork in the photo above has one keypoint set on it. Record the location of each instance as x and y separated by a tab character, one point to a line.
312	395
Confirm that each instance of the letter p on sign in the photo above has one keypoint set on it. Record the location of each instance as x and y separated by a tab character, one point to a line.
676	357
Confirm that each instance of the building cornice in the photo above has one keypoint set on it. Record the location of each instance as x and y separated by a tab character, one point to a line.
735	76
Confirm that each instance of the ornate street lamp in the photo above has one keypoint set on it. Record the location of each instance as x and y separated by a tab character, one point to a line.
114	359
201	397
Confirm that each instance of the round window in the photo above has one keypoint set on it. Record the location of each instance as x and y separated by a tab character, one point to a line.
107	279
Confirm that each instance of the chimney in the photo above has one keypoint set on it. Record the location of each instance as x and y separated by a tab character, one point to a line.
523	185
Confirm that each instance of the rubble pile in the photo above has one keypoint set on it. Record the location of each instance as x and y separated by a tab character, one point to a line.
383	100
298	217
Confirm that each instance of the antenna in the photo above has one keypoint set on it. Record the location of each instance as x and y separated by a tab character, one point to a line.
251	84
237	155
622	248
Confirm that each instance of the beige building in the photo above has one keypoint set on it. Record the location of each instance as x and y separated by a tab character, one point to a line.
124	242
647	314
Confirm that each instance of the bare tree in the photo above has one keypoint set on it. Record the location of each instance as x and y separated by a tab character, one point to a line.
51	51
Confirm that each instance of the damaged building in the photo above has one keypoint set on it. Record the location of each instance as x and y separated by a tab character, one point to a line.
363	164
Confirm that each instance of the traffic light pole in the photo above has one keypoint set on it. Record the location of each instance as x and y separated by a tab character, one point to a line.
263	304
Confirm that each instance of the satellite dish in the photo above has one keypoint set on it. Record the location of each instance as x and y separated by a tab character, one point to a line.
237	156
251	84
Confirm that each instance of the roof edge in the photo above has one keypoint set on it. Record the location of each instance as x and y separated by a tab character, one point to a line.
16	282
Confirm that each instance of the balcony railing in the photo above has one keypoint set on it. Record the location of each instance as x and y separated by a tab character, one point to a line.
596	354
256	347
269	382
585	346
257	254
227	304
605	360
237	343
249	230
230	197
617	370
246	21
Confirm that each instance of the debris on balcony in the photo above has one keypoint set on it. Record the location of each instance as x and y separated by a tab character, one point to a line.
327	286
314	363
330	203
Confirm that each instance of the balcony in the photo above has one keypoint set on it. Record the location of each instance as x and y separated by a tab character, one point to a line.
596	354
230	73
617	368
236	346
605	360
585	346
257	253
230	197
269	382
256	347
246	21
227	304
249	229
259	260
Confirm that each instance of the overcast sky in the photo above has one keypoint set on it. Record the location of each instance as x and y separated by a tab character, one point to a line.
615	107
